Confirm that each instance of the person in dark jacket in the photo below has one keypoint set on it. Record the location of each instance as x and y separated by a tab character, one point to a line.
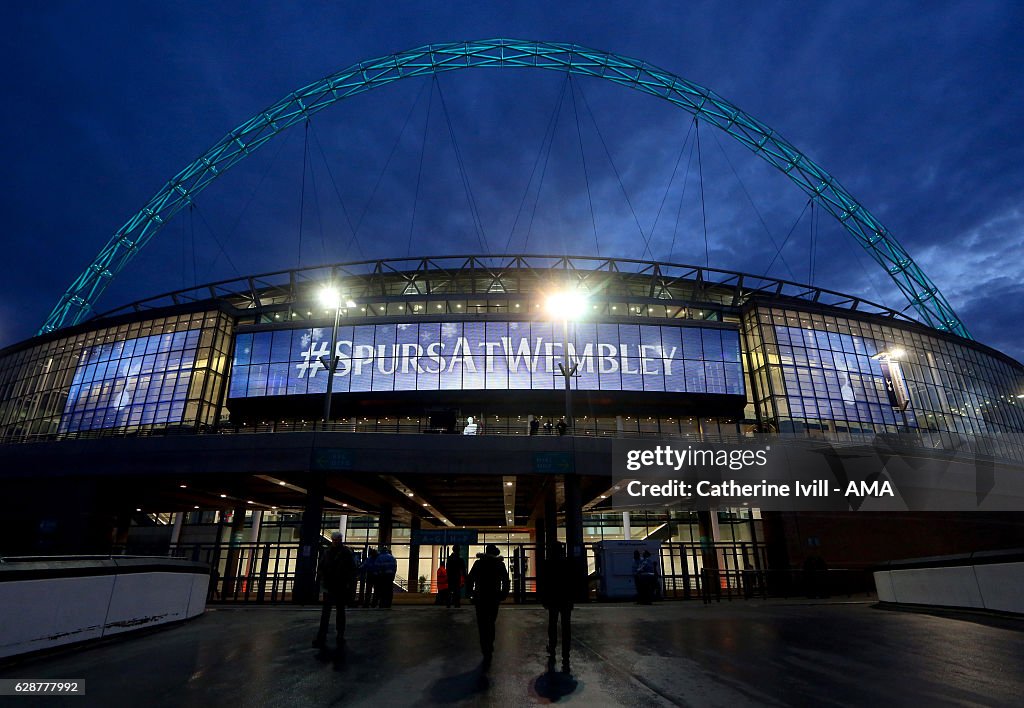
456	571
387	568
556	594
337	569
368	571
488	586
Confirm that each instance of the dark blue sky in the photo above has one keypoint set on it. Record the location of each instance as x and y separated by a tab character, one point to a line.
915	108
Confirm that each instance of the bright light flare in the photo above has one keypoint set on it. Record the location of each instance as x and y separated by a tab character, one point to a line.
330	297
569	305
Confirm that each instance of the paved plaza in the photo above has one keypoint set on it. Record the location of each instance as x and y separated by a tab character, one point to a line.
771	653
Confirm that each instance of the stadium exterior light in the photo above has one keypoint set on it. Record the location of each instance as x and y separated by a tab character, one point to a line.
330	297
568	306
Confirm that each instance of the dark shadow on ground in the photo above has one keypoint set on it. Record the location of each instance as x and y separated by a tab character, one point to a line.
553	685
453	689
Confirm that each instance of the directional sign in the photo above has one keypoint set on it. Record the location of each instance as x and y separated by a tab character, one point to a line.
331	458
552	462
445	537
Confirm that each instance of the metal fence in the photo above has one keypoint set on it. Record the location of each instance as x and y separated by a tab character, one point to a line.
265	572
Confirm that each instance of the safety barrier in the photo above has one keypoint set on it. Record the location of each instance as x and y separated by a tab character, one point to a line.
50	602
988	580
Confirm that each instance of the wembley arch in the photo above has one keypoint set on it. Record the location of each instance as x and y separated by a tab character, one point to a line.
78	301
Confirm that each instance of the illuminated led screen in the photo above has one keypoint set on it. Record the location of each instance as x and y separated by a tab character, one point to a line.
431	356
834	376
140	381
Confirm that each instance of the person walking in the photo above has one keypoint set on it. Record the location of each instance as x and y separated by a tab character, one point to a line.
456	571
561	427
488	586
534	425
387	568
556	594
337	569
442	585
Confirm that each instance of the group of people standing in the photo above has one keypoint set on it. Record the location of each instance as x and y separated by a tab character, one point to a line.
378	574
561	426
450	578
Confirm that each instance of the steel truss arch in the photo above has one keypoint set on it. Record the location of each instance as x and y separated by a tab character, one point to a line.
78	301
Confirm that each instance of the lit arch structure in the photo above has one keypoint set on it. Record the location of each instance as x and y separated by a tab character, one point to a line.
78	301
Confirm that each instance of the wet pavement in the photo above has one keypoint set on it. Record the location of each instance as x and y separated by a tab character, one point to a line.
731	654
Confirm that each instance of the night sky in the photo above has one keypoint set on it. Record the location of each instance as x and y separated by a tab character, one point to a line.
915	108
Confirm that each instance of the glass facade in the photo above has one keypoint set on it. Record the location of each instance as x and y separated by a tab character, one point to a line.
136	376
430	356
828	373
802	368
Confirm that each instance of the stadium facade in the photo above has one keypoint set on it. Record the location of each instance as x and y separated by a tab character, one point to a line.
130	425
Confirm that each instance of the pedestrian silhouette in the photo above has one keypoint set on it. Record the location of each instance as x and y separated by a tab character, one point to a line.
456	572
337	568
368	570
556	592
488	586
387	568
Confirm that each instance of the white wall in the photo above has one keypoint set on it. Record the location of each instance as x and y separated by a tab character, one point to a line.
995	586
49	612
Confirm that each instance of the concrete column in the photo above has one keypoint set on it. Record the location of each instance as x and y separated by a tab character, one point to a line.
384	527
575	549
179	519
343	527
306	590
627	530
237	536
414	558
257	522
620	425
708	523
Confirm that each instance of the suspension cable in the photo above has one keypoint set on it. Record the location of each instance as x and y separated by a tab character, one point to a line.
682	198
544	168
813	245
536	162
474	211
383	170
302	190
607	152
419	172
337	192
316	210
703	210
216	240
586	175
753	205
668	187
778	253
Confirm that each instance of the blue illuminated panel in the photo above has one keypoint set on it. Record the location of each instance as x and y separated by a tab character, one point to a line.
432	356
141	381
